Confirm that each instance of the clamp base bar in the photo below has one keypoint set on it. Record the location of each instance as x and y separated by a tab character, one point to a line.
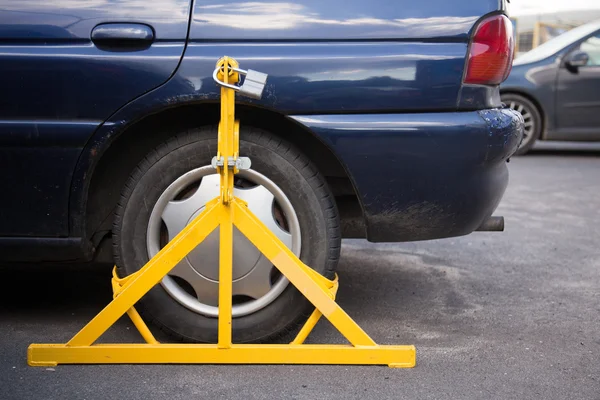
53	354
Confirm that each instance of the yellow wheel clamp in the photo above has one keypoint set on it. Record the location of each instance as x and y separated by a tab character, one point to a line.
224	212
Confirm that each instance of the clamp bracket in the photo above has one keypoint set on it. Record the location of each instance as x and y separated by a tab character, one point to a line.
239	163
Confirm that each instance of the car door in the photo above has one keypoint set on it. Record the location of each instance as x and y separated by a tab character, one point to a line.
578	95
65	67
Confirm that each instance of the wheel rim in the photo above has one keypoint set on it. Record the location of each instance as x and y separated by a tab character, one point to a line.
194	281
529	123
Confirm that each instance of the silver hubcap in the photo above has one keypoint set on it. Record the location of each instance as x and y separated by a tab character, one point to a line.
529	127
194	282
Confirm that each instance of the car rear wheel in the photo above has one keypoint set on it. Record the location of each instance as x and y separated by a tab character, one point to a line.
531	116
172	185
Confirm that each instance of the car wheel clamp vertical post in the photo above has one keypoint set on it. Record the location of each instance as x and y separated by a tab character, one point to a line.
225	211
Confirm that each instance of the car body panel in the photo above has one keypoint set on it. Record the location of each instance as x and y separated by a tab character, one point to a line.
309	78
336	19
58	88
44	153
422	176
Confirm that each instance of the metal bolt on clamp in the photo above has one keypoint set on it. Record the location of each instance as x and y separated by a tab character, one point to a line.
240	163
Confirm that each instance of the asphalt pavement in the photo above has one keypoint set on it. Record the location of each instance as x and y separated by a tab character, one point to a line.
512	315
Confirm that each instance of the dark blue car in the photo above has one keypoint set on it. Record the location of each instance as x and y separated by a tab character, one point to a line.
381	119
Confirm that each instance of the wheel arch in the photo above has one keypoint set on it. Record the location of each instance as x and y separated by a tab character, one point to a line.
111	164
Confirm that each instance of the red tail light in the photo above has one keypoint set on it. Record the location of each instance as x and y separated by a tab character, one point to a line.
491	52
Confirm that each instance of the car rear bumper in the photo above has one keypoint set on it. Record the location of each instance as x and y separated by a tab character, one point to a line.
423	176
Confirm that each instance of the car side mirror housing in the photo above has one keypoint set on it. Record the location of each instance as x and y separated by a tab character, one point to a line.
577	59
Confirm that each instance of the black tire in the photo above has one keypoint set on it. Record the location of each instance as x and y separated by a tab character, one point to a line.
279	161
531	114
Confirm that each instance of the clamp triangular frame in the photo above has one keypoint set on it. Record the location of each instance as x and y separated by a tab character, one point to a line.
225	211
